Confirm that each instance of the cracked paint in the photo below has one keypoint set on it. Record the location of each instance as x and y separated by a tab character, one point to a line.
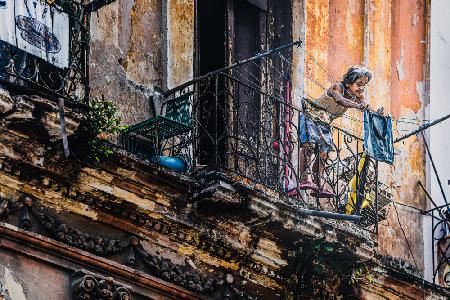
180	42
420	89
400	66
397	55
126	56
415	20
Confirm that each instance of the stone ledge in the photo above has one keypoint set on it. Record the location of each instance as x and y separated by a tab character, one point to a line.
147	199
36	116
268	206
52	252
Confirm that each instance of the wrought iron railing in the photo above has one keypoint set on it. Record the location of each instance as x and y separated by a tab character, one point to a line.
440	224
243	121
29	73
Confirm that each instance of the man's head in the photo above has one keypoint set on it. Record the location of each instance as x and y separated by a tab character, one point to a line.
355	79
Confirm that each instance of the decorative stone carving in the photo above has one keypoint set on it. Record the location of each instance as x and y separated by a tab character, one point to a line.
9	207
157	266
226	290
58	230
205	240
180	275
37	112
88	286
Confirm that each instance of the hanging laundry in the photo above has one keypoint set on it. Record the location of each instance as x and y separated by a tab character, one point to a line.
359	195
378	141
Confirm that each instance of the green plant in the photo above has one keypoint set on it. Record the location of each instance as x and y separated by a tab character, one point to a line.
324	268
103	121
362	272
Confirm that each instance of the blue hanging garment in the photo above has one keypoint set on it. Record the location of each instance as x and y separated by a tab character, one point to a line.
378	141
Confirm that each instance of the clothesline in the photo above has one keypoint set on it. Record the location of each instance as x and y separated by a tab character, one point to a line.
422	123
422	128
282	76
279	78
333	79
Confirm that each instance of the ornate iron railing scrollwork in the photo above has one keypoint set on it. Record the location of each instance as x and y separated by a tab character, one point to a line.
441	245
241	129
248	124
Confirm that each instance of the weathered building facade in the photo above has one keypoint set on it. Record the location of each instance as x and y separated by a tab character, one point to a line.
128	227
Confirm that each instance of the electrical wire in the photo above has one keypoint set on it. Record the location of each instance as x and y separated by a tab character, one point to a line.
279	78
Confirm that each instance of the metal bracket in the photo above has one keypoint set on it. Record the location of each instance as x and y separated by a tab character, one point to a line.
97	4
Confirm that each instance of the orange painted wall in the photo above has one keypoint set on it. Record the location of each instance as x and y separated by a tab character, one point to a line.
389	37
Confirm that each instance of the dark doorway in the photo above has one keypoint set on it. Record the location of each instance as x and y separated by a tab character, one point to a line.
230	108
247	42
211	56
211	35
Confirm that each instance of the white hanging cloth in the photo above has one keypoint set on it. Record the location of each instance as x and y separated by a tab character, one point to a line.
36	28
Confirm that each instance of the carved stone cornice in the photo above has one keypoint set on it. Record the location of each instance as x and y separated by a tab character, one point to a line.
57	230
51	252
37	113
156	266
198	236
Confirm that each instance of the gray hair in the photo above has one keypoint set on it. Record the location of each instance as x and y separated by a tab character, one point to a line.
356	72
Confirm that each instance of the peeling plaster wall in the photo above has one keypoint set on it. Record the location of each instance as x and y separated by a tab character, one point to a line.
28	279
126	55
390	38
137	45
408	46
180	42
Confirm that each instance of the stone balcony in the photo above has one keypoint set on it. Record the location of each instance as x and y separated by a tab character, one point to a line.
212	219
209	235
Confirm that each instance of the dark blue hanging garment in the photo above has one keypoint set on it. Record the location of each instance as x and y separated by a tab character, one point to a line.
378	141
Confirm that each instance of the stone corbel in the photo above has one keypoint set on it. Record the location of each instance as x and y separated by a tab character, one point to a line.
87	285
226	290
38	113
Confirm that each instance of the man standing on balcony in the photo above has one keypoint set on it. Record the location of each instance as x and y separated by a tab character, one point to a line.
315	123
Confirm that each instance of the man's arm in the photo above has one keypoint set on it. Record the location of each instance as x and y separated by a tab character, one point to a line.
336	93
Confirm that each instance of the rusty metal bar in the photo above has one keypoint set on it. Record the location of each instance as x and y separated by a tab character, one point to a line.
97	4
358	203
337	168
376	197
62	124
215	133
329	215
256	57
433	247
317	174
422	128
